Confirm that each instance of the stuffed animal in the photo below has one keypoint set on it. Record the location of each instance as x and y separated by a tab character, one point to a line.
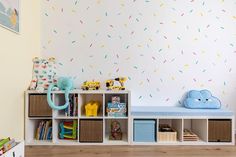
201	100
44	73
65	84
116	133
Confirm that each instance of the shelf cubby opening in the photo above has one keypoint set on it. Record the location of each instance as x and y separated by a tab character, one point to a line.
170	130
123	107
38	106
195	130
66	130
219	130
144	130
91	130
71	110
39	130
91	99
116	131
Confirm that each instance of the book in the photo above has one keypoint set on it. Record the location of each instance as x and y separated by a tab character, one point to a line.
10	144
43	129
3	141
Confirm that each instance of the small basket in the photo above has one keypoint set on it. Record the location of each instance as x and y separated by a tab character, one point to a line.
166	133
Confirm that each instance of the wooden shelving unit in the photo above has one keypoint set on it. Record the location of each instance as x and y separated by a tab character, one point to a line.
103	96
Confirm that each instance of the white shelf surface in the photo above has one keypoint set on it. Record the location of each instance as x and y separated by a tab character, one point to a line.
65	117
124	140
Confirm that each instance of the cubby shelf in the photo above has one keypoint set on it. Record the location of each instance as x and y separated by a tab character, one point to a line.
80	98
208	125
215	127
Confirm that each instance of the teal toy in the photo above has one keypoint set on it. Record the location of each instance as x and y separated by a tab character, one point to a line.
65	84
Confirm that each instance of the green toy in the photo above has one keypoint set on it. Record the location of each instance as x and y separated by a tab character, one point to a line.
65	84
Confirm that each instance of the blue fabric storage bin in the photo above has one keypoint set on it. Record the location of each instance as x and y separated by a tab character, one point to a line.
144	130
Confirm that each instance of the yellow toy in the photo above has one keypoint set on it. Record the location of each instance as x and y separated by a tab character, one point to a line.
91	85
92	108
110	84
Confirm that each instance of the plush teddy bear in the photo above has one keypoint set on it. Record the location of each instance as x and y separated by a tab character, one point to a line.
44	73
116	133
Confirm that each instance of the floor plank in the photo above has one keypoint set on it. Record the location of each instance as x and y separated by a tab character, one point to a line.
130	151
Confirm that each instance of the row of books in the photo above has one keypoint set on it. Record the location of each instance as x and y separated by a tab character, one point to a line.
6	144
72	109
44	130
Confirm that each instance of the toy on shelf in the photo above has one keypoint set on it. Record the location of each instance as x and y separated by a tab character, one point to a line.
92	108
112	85
68	130
190	136
116	133
44	73
116	108
91	85
65	84
201	100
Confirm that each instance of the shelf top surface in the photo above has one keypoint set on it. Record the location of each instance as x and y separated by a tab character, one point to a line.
79	91
177	111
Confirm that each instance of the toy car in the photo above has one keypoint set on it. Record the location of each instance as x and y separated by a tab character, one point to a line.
112	83
91	85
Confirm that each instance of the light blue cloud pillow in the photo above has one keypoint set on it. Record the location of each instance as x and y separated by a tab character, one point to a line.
201	100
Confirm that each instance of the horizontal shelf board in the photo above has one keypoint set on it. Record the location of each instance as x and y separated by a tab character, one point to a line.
65	117
79	91
84	117
117	142
116	117
66	141
40	118
40	142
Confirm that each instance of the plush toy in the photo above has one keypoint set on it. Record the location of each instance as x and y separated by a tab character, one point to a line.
65	84
44	73
116	133
201	100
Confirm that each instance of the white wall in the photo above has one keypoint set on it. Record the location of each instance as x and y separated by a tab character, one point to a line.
165	47
16	53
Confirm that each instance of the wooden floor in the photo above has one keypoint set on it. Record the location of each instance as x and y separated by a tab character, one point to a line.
130	151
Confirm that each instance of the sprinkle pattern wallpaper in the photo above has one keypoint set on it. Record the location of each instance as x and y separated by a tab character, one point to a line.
164	47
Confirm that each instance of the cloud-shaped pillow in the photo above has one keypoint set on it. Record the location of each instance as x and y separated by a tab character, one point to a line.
201	100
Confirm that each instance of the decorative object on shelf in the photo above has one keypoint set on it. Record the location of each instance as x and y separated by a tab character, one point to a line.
68	130
202	99
115	99
44	73
9	14
91	85
116	133
65	84
166	133
190	136
110	84
92	108
116	108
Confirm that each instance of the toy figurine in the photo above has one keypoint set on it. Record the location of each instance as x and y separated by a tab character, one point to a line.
91	85
116	133
110	84
92	108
